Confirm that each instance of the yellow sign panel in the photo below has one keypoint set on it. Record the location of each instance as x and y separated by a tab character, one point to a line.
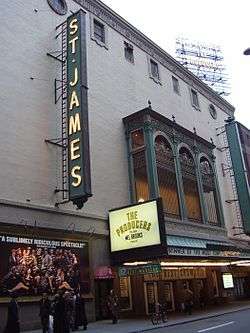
134	226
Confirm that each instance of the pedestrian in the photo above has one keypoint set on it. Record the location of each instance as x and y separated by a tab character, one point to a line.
44	312
80	312
202	297
188	300
13	324
113	306
59	314
69	307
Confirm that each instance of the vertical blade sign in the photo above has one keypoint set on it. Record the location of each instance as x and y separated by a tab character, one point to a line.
77	105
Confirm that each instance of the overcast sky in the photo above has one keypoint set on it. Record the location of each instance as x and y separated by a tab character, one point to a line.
221	22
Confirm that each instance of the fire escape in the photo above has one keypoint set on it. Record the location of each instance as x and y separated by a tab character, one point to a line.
60	87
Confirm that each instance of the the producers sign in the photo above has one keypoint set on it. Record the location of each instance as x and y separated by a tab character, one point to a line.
77	104
134	226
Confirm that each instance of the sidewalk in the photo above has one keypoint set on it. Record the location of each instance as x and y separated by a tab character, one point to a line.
142	325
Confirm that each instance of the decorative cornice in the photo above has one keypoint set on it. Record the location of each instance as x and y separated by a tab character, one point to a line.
119	24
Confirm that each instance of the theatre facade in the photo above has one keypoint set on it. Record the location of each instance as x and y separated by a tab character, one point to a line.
198	254
110	167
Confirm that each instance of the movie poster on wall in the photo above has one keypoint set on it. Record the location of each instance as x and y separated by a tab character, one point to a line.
33	266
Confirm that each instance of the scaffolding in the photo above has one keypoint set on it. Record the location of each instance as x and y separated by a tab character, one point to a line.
204	61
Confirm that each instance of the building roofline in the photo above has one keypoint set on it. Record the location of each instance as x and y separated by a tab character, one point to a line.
118	23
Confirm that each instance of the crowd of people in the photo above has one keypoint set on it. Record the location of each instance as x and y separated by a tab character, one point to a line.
34	271
62	313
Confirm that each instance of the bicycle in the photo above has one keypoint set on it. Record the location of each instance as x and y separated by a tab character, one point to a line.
160	315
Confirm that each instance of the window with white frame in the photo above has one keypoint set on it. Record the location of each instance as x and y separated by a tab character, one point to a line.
99	32
194	98
176	85
129	52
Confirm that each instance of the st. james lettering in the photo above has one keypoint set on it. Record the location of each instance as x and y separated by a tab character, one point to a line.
78	134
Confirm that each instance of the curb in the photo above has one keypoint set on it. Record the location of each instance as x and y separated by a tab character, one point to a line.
189	320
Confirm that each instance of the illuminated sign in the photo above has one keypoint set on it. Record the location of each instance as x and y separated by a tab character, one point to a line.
77	105
134	226
227	280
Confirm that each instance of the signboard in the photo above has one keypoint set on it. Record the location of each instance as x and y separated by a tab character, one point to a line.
33	266
134	226
177	274
193	252
145	269
240	173
227	280
77	106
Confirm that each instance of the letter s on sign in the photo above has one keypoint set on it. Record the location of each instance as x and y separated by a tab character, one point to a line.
78	179
73	25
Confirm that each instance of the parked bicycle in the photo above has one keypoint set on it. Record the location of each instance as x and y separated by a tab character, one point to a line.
160	314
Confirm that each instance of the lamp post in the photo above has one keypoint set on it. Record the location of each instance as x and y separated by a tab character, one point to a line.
247	51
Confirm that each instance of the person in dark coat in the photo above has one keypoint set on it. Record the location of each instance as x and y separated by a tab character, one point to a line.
13	324
44	312
80	313
113	306
59	313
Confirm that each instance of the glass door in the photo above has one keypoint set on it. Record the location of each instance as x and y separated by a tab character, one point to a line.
151	296
168	296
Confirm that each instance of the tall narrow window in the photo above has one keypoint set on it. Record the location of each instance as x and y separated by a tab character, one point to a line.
99	31
194	98
129	52
154	69
167	177
209	191
190	185
176	86
140	166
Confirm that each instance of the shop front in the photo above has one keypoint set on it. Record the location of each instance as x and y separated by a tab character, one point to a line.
160	273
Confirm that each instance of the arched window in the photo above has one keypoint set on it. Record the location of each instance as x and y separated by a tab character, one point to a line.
190	185
140	166
209	191
167	176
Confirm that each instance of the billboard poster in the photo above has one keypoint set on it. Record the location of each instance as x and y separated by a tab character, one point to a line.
33	266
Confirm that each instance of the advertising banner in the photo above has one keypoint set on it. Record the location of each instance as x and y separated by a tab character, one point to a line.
32	266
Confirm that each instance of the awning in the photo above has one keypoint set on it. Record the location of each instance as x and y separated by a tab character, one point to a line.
196	243
104	272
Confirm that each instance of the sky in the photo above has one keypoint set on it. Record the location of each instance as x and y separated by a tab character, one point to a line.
221	22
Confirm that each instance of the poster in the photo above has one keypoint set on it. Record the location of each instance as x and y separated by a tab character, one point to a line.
33	266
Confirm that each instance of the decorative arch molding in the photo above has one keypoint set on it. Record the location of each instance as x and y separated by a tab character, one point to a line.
184	145
165	136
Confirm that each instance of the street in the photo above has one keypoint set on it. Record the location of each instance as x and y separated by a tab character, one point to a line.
228	323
